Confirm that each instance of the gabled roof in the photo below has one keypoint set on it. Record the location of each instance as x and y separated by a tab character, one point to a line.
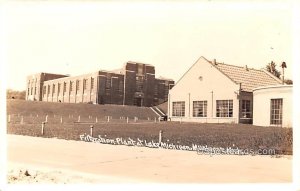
249	78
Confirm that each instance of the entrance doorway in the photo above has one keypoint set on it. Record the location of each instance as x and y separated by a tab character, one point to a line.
138	102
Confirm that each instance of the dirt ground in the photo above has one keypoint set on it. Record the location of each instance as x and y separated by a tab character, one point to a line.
45	160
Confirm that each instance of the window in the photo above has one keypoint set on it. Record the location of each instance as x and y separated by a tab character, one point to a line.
199	108
276	111
65	87
108	82
84	84
92	83
58	86
121	85
246	109
77	86
31	91
34	90
71	86
28	91
48	89
224	108
139	83
44	90
53	89
178	109
155	90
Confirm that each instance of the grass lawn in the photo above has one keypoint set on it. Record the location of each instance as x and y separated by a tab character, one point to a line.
212	135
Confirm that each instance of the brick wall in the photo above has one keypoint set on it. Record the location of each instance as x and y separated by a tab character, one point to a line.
101	87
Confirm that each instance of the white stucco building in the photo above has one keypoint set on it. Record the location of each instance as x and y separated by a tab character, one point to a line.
212	92
273	106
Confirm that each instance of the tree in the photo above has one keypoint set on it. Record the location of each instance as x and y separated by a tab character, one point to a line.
12	94
271	67
288	81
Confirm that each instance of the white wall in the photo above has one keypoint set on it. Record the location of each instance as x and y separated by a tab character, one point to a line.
262	100
212	80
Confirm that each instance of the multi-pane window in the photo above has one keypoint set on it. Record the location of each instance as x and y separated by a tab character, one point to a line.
34	90
139	83
71	86
65	87
246	109
178	109
224	108
92	83
28	92
77	86
276	111
155	90
199	108
31	91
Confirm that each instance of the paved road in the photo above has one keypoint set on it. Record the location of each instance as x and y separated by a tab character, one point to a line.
139	164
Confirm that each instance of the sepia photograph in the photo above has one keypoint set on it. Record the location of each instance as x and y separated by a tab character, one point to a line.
141	93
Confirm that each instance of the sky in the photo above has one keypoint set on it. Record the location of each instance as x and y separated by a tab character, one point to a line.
81	37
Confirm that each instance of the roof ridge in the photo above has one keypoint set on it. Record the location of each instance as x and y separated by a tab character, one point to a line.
224	73
238	66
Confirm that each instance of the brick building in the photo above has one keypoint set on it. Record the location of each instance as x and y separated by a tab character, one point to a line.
134	84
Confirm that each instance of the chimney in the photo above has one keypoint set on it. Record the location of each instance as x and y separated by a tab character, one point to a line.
246	68
215	62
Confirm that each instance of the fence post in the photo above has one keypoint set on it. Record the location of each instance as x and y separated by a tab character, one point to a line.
22	120
43	126
135	119
107	119
8	119
37	115
46	120
127	120
91	132
158	119
96	120
154	119
61	119
78	118
148	118
160	137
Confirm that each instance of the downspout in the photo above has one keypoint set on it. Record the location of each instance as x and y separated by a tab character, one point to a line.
97	90
169	103
124	87
238	98
212	104
189	105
